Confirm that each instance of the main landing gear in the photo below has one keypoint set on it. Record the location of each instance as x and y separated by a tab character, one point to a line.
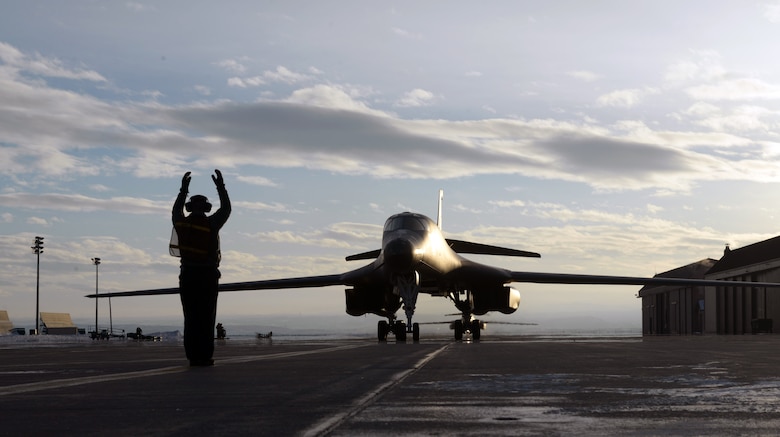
399	329
467	324
474	327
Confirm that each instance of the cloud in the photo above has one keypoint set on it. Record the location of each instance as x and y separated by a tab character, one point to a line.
232	65
256	180
416	98
736	89
99	187
702	109
740	119
246	82
507	203
44	66
280	75
80	203
579	237
730	119
772	12
38	221
704	78
566	214
333	128
203	90
262	206
343	235
627	98
332	97
654	209
704	65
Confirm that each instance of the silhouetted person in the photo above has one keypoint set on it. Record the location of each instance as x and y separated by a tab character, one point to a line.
198	246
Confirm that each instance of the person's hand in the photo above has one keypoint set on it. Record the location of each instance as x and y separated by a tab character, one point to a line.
185	182
218	181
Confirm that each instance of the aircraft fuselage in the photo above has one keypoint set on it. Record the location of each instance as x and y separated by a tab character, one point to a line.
413	243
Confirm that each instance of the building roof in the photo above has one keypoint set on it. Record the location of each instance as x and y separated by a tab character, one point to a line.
5	322
57	320
749	255
695	270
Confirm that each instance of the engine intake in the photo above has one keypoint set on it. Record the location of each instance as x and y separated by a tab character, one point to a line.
363	301
503	299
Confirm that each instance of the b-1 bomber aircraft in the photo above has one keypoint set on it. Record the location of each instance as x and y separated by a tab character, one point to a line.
416	258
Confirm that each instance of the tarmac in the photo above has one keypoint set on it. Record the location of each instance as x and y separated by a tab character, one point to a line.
702	385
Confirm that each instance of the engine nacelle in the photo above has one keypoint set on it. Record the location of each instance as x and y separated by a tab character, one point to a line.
503	299
363	301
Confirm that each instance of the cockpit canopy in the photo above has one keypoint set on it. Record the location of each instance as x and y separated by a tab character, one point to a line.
408	221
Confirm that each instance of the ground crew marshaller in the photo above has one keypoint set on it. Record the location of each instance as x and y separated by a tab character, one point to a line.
196	240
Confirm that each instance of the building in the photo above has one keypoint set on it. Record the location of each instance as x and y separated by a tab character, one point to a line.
743	310
670	310
58	324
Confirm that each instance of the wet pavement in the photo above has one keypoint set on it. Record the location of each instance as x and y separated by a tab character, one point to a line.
499	386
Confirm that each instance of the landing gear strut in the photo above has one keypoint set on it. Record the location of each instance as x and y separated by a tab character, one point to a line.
467	323
407	287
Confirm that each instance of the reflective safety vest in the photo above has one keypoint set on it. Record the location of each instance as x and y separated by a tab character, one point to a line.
193	240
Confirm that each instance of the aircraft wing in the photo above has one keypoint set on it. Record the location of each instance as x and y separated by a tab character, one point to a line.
372	254
270	284
564	278
275	284
460	246
489	322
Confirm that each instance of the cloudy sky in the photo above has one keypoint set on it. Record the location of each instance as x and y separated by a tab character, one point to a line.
613	137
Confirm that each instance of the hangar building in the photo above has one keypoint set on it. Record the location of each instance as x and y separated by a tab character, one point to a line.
669	310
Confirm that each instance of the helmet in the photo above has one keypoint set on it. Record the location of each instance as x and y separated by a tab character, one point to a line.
200	202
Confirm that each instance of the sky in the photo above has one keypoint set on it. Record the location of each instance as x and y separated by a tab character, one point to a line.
613	137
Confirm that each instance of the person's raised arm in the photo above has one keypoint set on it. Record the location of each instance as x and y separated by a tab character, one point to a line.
178	205
224	200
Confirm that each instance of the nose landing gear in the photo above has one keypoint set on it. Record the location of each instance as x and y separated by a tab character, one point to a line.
408	287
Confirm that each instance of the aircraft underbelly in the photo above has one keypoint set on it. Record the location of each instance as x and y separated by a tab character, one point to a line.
431	279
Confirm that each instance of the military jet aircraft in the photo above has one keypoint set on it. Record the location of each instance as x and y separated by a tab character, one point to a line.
416	258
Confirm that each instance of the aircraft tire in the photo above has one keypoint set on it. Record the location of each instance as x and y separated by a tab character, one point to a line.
476	329
416	332
400	331
381	331
458	328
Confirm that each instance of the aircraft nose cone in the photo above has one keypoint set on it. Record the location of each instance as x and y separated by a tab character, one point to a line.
399	255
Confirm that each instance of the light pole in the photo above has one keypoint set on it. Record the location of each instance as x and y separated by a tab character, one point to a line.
110	318
97	263
37	248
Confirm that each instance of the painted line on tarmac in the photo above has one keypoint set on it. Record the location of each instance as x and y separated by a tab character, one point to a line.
329	424
73	382
250	358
